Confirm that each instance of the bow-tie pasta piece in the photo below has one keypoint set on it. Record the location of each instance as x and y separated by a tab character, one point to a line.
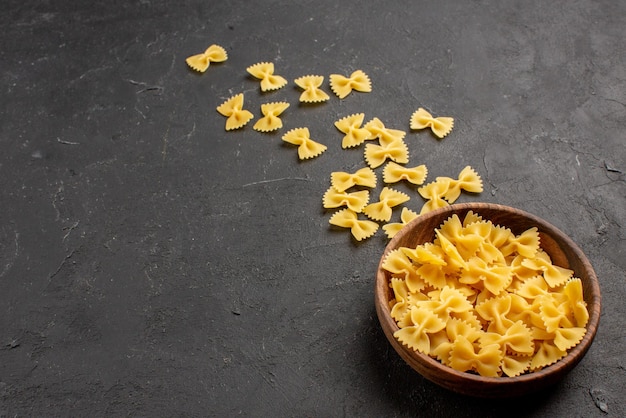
385	135
573	291
355	201
406	216
434	192
270	120
516	339
441	126
513	365
393	173
360	229
201	62
468	180
465	356
526	244
343	86
236	116
546	354
351	127
342	181
381	210
376	155
566	338
397	263
417	335
307	148
553	275
264	71
312	92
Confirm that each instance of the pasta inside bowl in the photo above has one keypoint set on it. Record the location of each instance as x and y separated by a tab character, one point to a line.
487	300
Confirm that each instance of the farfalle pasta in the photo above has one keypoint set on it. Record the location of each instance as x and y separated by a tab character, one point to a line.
201	62
307	148
446	190
476	311
236	115
264	71
342	86
271	120
441	126
342	181
311	84
376	155
406	216
355	201
354	134
385	135
381	210
360	228
394	173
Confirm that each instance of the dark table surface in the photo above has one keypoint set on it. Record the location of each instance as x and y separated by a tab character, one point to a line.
153	264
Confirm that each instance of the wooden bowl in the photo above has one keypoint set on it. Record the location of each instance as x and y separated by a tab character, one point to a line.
563	251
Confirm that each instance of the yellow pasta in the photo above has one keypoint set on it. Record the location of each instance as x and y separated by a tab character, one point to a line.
406	216
343	86
355	201
394	173
376	155
232	108
385	135
381	210
201	62
468	180
265	72
433	192
307	148
400	265
416	334
312	92
351	127
503	315
342	181
360	229
270	120
441	126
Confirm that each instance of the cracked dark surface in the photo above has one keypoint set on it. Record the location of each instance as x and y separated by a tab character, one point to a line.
152	264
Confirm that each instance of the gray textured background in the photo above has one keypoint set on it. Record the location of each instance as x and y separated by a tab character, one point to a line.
152	264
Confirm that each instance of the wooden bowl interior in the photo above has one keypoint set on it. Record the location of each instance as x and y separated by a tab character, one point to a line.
563	251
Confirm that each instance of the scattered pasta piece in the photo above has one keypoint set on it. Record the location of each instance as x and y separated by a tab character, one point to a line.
351	127
381	210
394	173
468	180
376	155
311	85
232	108
360	229
270	120
460	302
407	215
342	181
441	126
307	148
265	72
434	192
201	62
343	86
385	135
355	201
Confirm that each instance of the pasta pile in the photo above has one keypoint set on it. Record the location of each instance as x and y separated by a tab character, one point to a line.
481	299
382	147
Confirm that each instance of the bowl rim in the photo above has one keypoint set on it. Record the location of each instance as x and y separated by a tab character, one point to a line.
547	374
